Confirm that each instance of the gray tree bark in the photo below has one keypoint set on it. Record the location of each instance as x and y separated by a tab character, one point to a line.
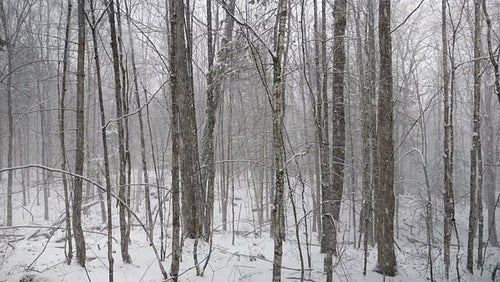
449	206
338	118
10	53
121	134
278	145
386	262
80	138
215	78
107	174
476	141
62	139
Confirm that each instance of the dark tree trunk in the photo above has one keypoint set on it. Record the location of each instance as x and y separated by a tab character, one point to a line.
10	153
121	134
192	204
386	262
176	13
338	118
475	163
80	138
107	175
215	78
62	106
449	206
278	146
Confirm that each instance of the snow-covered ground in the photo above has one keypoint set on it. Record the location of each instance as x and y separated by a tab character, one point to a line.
34	250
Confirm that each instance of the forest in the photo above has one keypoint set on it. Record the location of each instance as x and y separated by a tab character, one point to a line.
259	140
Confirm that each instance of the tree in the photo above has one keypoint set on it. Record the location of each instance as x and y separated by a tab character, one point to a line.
338	118
327	238
475	153
9	46
490	138
62	139
386	262
174	117
107	175
80	138
278	145
215	78
121	135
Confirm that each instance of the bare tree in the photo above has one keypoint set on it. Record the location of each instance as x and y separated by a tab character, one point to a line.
9	46
62	139
121	134
475	158
386	262
448	198
215	78
107	175
278	145
338	118
80	138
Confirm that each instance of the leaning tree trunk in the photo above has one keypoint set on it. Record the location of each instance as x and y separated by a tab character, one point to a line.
386	262
121	137
80	138
107	174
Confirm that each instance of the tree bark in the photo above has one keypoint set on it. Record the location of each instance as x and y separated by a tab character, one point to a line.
107	174
278	146
449	206
215	78
386	262
62	139
10	153
80	138
176	14
476	142
121	137
372	113
338	118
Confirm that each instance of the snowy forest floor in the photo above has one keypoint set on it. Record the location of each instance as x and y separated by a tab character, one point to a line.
33	249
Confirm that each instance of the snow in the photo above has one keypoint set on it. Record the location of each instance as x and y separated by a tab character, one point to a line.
249	259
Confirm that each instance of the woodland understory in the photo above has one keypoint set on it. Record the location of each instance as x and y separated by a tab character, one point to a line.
230	140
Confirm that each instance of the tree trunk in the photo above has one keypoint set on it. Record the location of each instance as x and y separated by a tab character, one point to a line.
338	118
278	146
80	138
449	206
489	169
215	78
147	199
328	229
386	262
10	53
104	146
62	140
490	140
121	137
372	115
475	162
176	14
192	206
